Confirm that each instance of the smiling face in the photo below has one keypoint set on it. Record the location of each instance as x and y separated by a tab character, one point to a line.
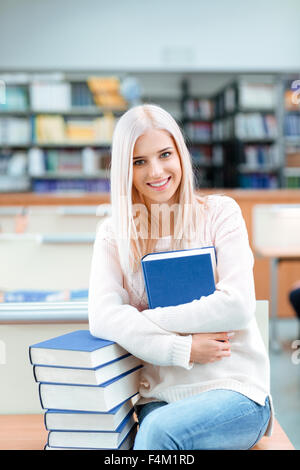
156	167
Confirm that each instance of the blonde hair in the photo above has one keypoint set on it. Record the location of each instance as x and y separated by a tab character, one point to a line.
131	246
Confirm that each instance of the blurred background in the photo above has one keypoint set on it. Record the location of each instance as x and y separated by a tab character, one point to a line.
228	72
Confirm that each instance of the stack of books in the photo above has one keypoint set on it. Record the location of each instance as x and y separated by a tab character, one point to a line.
88	387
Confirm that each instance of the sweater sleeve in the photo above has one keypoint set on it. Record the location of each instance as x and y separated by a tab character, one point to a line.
232	305
111	317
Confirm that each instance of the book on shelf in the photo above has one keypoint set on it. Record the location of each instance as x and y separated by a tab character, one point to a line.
75	349
14	131
70	420
70	185
86	376
264	156
55	129
200	108
292	182
106	92
186	275
81	95
93	439
49	129
16	98
292	125
255	126
104	128
48	95
101	397
258	181
80	129
31	295
230	99
12	184
256	95
293	157
198	131
47	162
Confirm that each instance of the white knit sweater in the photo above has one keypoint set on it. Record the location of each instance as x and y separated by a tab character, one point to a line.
161	337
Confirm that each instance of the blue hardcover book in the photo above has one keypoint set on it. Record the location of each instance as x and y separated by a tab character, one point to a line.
101	398
126	444
72	420
180	276
93	439
85	376
78	349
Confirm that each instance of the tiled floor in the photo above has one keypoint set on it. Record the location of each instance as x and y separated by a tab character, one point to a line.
285	380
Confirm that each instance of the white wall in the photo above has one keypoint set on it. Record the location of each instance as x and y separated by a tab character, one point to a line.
221	35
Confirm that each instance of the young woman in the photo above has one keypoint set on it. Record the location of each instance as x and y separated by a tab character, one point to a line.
205	380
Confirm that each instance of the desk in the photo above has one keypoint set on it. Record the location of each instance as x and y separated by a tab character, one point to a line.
276	257
27	432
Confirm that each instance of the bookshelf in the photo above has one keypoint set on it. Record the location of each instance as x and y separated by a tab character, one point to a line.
56	131
243	140
196	122
291	131
246	130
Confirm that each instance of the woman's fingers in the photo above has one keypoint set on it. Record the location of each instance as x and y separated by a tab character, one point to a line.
223	336
223	354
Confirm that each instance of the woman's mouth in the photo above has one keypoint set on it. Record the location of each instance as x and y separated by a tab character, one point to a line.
161	185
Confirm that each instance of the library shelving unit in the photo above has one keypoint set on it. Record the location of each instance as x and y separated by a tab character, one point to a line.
233	135
291	131
245	132
196	122
56	131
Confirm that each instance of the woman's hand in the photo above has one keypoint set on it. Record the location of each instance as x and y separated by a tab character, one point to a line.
209	347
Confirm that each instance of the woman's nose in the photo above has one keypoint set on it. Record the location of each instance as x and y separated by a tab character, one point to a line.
155	170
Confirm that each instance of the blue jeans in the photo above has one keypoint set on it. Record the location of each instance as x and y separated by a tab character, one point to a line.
213	420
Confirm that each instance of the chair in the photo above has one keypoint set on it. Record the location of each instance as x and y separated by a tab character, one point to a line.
279	440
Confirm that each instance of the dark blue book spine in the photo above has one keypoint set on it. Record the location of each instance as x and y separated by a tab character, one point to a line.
40	396
45	421
146	284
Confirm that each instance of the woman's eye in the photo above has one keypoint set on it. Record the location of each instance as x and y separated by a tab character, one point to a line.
164	155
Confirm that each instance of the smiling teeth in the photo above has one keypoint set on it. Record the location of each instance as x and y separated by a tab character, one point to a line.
159	184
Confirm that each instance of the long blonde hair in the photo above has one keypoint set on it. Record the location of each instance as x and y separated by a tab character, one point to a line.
124	196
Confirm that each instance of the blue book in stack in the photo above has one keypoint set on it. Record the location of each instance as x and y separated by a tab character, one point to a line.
88	387
180	276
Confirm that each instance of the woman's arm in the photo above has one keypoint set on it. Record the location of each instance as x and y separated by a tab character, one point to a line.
232	306
111	317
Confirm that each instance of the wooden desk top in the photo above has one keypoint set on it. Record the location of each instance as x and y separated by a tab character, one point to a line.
255	196
27	432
